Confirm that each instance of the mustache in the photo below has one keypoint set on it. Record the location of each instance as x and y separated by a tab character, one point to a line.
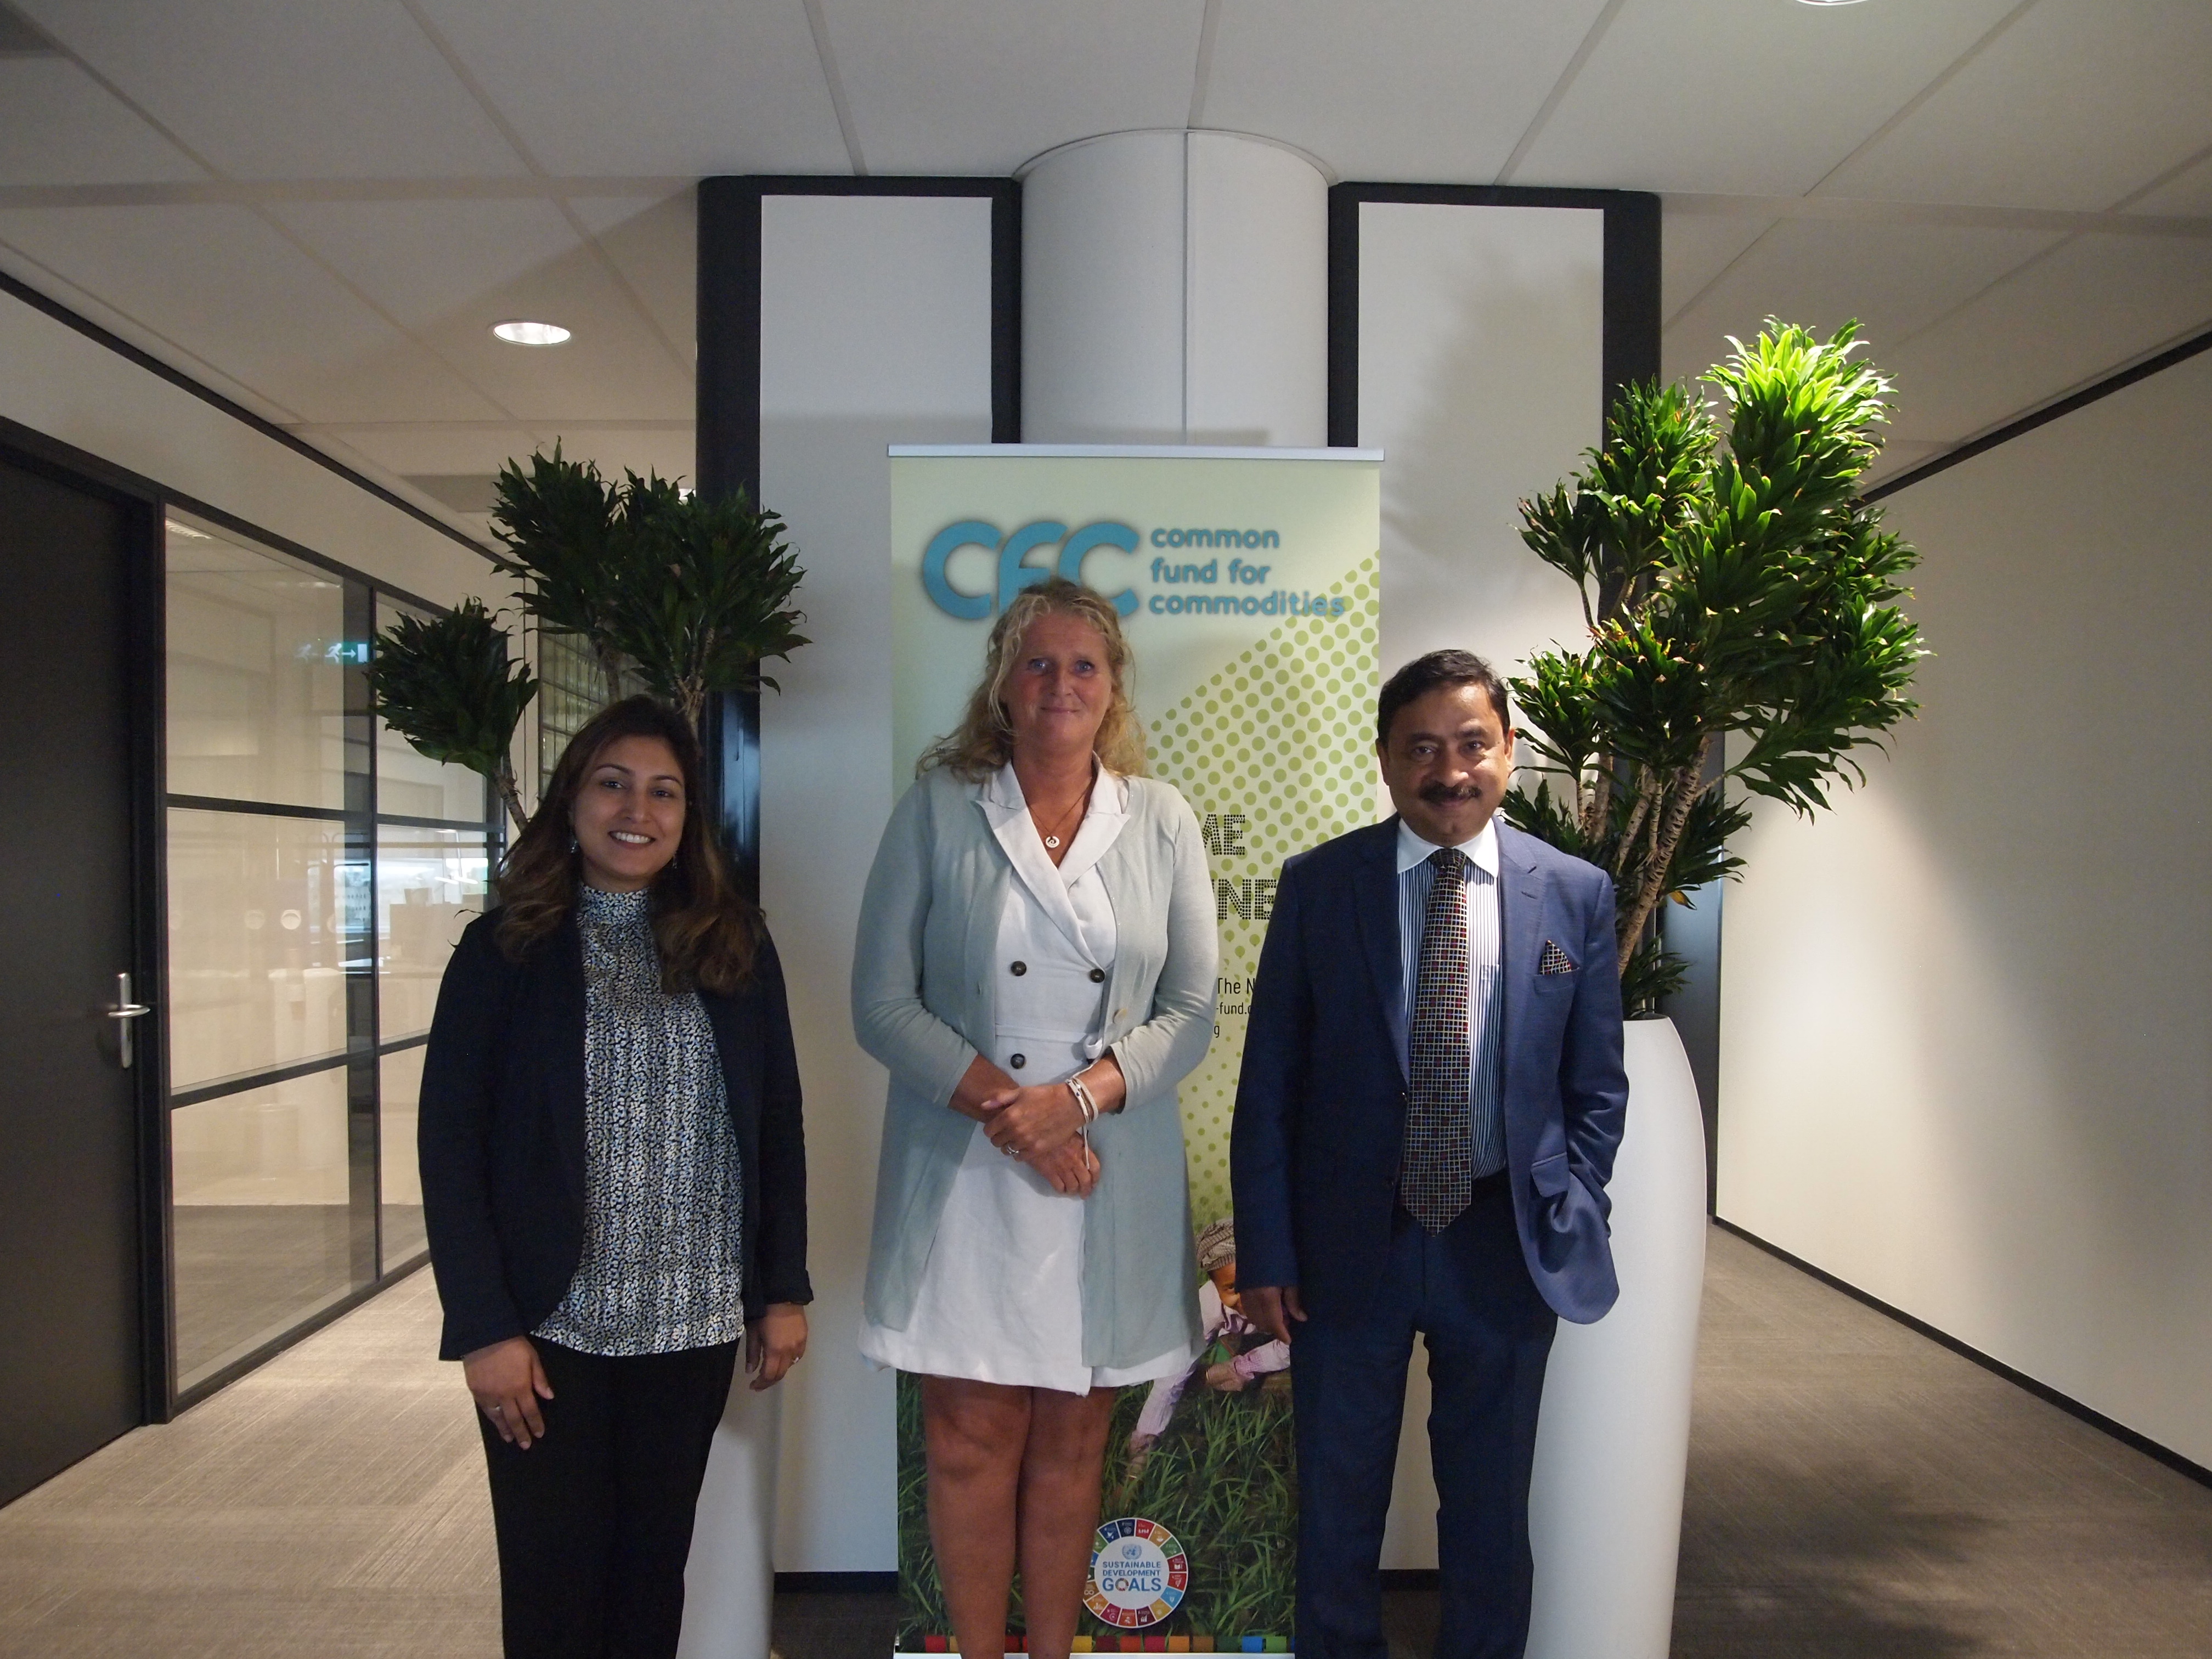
1437	794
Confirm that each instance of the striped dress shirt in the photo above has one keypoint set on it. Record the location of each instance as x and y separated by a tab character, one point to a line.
1485	985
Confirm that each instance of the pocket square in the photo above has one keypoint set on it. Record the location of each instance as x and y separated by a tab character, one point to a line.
1554	960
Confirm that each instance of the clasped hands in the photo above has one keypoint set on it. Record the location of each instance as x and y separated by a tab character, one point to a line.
1041	1124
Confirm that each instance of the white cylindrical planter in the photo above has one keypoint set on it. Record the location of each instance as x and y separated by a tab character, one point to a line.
729	1583
1175	289
1604	1514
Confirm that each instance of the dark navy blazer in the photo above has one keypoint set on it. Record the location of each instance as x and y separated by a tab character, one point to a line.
1320	1105
502	1133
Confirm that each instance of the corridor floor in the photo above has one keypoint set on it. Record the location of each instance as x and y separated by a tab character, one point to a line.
1855	1490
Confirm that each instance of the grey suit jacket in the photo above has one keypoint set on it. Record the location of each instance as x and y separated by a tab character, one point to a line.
924	991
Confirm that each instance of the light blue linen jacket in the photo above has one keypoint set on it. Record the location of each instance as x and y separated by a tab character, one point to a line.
924	998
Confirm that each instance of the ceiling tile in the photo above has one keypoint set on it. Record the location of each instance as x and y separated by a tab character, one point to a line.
276	89
44	279
2188	194
1696	247
984	85
448	270
1753	97
665	450
2096	302
60	126
655	245
1398	89
683	87
425	262
431	447
2076	106
1895	279
225	285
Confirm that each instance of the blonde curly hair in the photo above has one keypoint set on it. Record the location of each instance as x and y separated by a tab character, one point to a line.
984	741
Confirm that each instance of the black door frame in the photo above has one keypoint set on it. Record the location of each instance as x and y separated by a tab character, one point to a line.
145	701
147	503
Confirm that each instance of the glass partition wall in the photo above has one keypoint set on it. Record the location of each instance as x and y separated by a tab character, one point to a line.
319	872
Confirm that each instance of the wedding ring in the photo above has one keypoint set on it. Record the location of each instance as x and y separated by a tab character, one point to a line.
1011	1149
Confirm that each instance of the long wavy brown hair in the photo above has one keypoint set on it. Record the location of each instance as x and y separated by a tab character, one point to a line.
984	740
709	932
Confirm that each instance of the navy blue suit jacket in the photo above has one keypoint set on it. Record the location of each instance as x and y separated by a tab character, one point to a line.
1320	1104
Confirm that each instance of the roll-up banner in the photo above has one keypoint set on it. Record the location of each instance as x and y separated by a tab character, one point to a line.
1249	586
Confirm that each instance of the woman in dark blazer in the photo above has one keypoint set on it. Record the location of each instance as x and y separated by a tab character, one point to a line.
614	1178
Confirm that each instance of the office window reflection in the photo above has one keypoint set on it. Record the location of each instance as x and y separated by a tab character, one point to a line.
319	873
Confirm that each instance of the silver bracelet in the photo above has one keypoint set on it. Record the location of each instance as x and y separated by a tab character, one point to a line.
1084	1103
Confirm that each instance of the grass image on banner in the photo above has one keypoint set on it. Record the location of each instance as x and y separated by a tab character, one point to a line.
1275	754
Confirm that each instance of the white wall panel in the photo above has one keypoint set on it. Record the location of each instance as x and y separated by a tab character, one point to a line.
1480	376
875	329
1482	339
59	382
1964	1055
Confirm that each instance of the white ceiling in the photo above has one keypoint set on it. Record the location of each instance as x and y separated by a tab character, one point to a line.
320	209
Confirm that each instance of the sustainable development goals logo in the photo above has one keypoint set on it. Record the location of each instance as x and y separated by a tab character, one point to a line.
1172	582
1139	1573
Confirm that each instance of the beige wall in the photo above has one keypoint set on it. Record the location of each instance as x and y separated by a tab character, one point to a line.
1966	1020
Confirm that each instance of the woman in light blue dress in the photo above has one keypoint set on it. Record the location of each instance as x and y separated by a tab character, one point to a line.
1036	966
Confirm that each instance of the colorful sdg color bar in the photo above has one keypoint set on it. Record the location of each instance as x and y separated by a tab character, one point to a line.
1017	1643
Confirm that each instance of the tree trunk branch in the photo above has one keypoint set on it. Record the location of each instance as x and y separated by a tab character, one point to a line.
1682	792
503	781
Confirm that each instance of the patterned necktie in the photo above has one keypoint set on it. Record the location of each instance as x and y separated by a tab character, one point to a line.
1436	1175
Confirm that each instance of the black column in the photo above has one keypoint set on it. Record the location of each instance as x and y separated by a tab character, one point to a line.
728	459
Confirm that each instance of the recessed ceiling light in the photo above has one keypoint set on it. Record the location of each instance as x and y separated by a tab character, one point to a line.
1827	3
522	333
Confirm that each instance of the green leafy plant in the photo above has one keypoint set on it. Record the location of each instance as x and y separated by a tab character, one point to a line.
448	685
706	597
560	526
1741	600
677	594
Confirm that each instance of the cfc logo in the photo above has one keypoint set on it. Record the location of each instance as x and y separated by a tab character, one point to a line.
1014	570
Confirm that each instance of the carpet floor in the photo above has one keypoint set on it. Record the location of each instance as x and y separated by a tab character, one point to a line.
1855	1490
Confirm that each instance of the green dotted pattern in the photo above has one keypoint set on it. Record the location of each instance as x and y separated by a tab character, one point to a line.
1282	736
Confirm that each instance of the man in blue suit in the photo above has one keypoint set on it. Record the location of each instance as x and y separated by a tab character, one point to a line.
1431	1098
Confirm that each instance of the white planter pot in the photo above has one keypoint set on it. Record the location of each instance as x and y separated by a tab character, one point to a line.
729	1583
1604	1513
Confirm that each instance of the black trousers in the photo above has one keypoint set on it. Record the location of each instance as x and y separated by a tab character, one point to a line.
1468	1292
594	1520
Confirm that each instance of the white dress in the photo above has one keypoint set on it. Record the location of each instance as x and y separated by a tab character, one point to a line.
1001	1295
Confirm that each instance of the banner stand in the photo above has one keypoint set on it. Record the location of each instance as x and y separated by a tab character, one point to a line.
1249	586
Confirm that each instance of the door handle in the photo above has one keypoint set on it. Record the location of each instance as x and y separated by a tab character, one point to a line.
123	1011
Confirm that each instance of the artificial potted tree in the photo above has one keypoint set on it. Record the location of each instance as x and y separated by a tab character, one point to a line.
677	594
448	686
1745	637
674	594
